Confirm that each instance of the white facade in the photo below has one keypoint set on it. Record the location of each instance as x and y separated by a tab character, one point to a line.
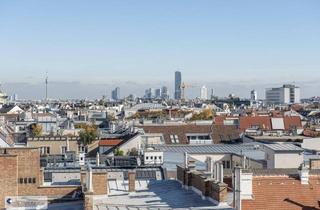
204	93
282	159
311	144
153	157
253	95
287	94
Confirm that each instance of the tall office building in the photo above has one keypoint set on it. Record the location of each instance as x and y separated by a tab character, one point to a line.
204	93
287	94
253	95
177	85
115	94
164	93
158	93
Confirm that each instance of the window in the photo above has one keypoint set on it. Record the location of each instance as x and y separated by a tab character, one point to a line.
21	180
174	139
33	180
226	164
160	157
44	150
151	157
147	158
63	149
29	180
155	157
82	149
25	180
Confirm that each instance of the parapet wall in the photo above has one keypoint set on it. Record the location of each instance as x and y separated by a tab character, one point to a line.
203	185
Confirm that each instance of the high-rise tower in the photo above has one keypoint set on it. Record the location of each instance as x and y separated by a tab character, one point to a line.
177	85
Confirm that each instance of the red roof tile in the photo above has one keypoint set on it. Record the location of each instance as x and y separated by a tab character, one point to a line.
109	142
264	122
283	192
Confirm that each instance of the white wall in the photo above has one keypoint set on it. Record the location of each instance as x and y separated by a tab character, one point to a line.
285	160
311	144
153	157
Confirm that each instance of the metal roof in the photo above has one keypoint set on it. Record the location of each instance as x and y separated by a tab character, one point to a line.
206	149
284	147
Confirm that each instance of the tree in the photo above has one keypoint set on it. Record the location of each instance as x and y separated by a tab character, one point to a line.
118	152
206	114
88	134
36	130
133	152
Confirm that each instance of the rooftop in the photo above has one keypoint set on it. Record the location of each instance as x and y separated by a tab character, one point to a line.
205	149
284	147
159	195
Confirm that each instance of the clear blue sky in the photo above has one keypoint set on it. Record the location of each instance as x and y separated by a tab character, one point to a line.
271	41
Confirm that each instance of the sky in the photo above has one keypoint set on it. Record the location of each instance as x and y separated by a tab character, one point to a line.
89	47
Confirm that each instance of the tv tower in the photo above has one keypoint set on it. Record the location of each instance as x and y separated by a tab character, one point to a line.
46	82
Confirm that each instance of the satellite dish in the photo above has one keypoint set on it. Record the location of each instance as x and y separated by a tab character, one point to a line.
9	201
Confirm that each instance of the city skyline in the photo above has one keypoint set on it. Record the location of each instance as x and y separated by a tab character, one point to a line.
245	45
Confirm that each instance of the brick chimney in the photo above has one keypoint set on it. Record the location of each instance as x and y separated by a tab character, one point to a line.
132	181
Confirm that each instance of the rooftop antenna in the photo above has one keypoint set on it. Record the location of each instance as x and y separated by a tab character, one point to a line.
46	82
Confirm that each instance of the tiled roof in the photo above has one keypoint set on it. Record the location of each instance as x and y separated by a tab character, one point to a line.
109	142
219	133
264	122
290	122
275	191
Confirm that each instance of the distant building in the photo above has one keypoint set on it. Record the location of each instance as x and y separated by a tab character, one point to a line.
212	93
3	97
164	93
115	94
253	95
158	93
150	93
287	94
204	93
177	85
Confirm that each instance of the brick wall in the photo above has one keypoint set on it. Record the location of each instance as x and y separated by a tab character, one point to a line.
208	187
285	193
180	174
8	181
132	181
314	163
21	175
100	183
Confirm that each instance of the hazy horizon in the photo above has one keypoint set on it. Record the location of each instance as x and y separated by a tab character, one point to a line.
88	48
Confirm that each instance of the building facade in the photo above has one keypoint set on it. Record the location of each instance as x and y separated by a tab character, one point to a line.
204	93
287	94
115	94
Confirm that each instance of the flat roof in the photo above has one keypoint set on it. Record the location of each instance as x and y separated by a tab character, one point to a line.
164	194
284	147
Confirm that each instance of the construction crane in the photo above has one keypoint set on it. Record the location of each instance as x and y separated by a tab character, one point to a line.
183	88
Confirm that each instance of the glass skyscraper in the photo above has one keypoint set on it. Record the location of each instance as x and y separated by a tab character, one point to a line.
177	85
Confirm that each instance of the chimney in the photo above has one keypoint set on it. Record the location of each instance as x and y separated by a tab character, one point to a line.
68	144
220	172
186	160
236	188
208	163
132	180
98	159
244	164
304	175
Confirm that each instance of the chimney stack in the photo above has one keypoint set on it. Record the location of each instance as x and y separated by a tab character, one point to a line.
304	175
